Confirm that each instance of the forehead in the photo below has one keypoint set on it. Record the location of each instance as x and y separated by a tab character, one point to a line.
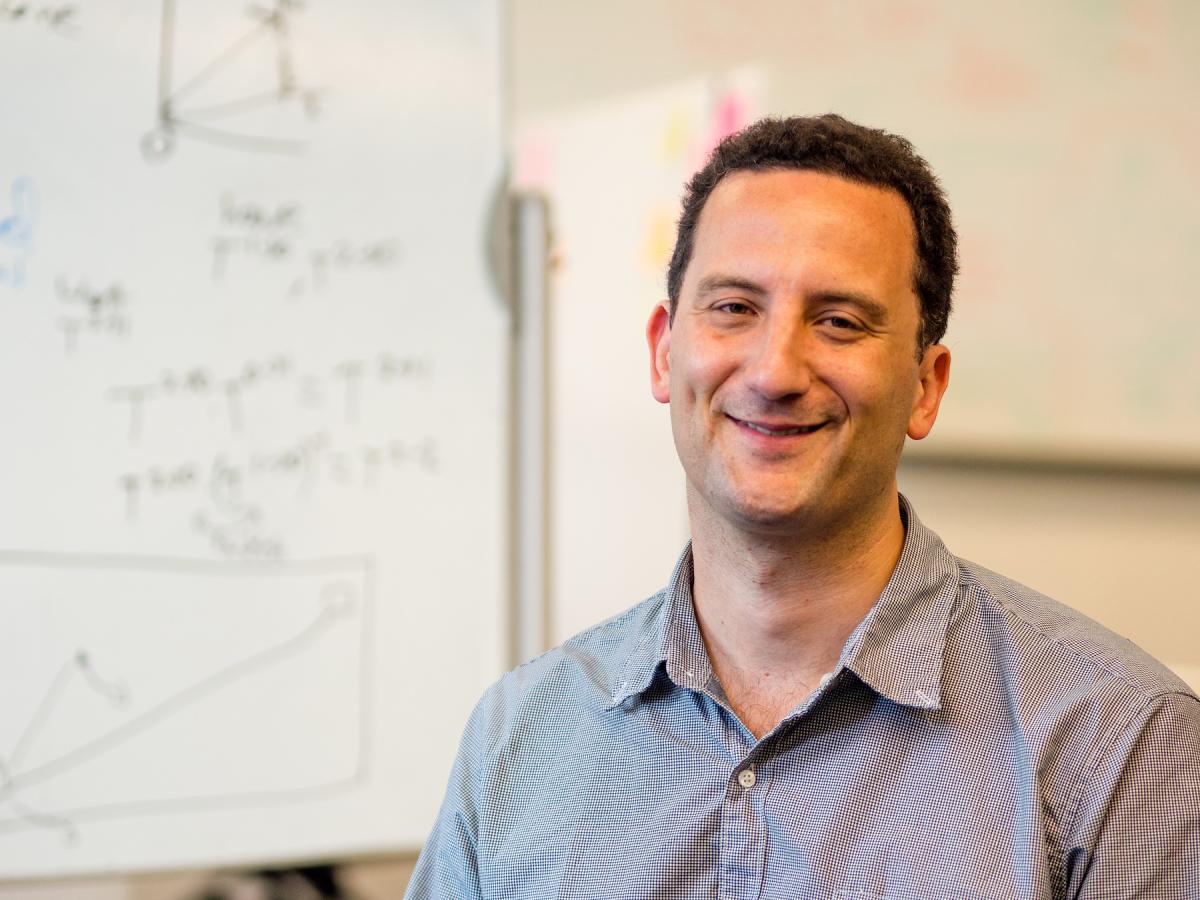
801	223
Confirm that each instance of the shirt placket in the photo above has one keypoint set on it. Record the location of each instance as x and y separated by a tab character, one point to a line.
742	851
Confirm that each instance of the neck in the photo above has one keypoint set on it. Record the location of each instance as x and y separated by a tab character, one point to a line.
775	609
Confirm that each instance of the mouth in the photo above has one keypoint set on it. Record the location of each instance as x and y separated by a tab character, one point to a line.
778	429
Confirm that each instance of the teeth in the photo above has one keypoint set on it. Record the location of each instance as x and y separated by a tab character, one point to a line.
781	431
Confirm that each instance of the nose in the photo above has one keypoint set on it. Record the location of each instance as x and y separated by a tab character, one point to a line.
780	364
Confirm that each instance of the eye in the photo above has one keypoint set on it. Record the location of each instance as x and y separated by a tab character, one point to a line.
841	323
734	307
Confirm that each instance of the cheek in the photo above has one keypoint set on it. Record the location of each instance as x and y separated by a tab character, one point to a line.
698	374
688	432
874	389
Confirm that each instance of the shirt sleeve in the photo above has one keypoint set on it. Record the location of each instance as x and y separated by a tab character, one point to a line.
1137	832
448	866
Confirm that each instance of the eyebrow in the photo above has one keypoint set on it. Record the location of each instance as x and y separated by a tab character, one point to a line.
710	283
869	306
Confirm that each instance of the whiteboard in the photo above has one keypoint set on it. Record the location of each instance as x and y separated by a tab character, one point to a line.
1065	135
1066	140
252	382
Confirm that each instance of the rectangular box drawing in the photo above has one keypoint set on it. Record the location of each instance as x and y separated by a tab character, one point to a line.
140	686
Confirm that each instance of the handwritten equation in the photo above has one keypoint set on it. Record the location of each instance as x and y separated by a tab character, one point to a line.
252	235
231	498
338	388
92	312
57	17
230	491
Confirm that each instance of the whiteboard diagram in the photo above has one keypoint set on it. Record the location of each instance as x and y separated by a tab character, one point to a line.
253	381
251	71
192	692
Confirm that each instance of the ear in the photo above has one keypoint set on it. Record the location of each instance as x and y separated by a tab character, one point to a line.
933	380
658	336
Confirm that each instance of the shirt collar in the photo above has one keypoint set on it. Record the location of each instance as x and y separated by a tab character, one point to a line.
897	649
674	639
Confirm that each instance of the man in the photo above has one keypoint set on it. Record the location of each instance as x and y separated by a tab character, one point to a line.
823	702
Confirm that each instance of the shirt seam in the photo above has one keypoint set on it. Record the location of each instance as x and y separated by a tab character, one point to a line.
1102	751
1104	746
1143	692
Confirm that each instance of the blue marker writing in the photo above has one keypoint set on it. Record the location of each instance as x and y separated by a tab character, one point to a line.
16	230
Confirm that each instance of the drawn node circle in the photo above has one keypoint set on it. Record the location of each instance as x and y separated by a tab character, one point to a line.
157	145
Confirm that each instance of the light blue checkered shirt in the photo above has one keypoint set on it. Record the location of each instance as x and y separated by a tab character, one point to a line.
977	740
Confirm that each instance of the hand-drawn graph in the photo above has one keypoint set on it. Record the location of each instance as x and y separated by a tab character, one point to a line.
190	687
215	93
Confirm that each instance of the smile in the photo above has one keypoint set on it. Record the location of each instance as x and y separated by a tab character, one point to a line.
778	430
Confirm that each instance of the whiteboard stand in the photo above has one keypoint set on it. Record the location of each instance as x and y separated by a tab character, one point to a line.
530	478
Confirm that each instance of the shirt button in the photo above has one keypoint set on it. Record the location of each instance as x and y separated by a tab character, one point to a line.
746	778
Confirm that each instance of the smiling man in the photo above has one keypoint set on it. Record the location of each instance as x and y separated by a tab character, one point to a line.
823	702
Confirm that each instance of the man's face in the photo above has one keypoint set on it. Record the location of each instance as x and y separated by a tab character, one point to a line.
791	366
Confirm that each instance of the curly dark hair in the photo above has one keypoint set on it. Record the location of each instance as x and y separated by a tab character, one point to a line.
837	146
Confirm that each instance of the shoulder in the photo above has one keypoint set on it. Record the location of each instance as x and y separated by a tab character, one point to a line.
1060	642
1112	735
575	679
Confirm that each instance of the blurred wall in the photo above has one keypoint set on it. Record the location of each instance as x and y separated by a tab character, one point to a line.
1113	540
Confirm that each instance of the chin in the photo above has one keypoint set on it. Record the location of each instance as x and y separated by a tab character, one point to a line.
774	506
768	514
